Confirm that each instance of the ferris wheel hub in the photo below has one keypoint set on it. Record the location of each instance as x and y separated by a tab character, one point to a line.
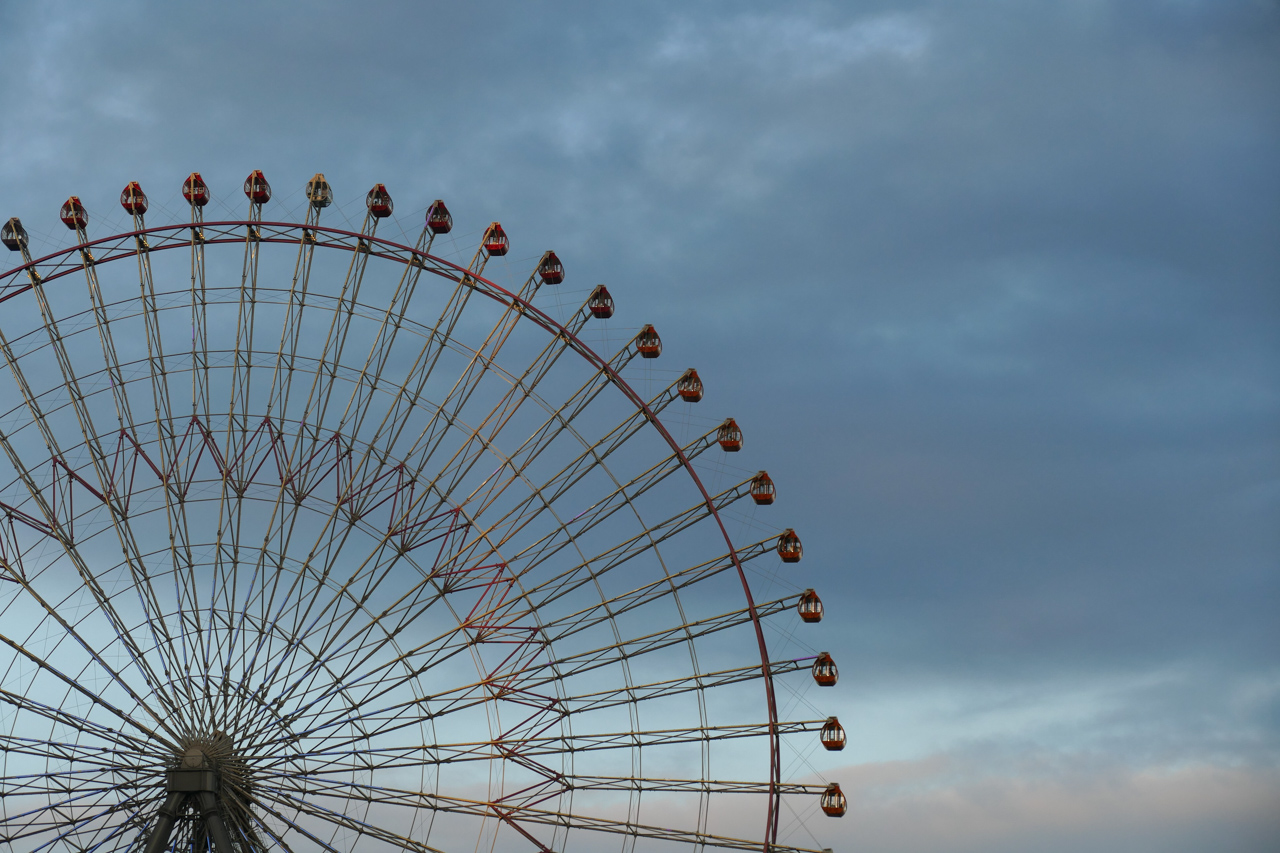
195	772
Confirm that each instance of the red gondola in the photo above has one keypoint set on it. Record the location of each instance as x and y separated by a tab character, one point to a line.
550	270
439	219
833	802
195	190
810	606
319	193
379	202
762	489
789	547
257	188
648	342
495	241
133	199
824	671
730	436
832	735
600	303
13	235
73	214
689	386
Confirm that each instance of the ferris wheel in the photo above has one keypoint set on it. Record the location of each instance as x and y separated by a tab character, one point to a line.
316	539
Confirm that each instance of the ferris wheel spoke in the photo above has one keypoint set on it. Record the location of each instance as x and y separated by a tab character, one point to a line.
242	355
522	515
332	758
199	315
102	321
118	513
159	373
366	578
408	607
136	657
352	792
60	817
527	674
279	529
317	403
411	390
84	782
295	598
671	687
333	531
521	390
428	654
270	832
76	723
527	510
610	608
95	755
542	437
55	527
687	786
230	502
616	438
131	818
329	545
290	334
167	448
576	664
328	686
337	819
378	682
429	438
544	593
566	533
345	790
358	642
465	697
293	677
478	367
525	385
384	341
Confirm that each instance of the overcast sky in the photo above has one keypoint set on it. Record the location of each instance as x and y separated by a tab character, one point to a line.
994	289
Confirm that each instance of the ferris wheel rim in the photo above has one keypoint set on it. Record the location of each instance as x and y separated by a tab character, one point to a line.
494	291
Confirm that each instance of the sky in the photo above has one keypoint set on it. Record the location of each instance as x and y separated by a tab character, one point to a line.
992	287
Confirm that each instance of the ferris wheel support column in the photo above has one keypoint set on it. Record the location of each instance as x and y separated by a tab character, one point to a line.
191	786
